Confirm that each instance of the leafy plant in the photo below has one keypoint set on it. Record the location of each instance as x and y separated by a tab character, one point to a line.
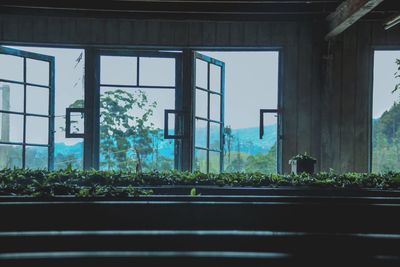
93	183
304	156
193	192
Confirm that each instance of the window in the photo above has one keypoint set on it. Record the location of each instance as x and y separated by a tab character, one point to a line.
136	91
26	109
250	91
209	120
138	114
68	93
386	112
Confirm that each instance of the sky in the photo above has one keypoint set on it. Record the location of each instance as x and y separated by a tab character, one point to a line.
251	84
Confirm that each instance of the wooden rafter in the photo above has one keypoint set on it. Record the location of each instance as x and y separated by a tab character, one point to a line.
347	14
392	21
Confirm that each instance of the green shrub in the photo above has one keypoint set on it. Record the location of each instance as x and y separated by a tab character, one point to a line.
91	183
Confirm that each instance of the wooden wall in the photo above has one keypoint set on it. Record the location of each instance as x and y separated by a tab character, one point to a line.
325	98
346	105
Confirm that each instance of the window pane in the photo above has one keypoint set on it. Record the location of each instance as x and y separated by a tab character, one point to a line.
11	97
37	72
11	127
215	78
215	107
77	123
251	84
36	157
201	133
201	74
215	158
200	160
37	130
215	138
11	68
37	100
69	92
10	156
201	103
157	71
175	124
118	70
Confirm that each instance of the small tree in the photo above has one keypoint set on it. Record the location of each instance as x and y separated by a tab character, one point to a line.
124	135
397	75
229	138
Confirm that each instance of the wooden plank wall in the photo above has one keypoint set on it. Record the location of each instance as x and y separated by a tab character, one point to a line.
346	104
325	87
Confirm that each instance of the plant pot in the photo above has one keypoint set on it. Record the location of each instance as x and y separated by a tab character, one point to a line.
302	165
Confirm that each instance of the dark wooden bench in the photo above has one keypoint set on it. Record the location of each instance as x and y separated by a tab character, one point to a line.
251	228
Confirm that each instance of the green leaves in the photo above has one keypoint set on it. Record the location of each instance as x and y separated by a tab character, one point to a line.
93	183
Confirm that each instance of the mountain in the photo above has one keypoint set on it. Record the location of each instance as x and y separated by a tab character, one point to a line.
248	138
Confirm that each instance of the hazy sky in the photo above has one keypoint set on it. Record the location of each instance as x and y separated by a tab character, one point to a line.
384	81
251	84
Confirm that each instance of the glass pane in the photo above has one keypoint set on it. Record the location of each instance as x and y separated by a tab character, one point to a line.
251	84
11	127
157	71
215	137
118	70
215	158
11	68
37	130
201	133
201	73
132	129
215	107
36	157
77	123
215	78
37	100
201	103
37	72
69	92
10	156
200	160
11	97
175	124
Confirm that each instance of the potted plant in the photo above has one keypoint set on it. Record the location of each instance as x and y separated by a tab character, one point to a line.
302	163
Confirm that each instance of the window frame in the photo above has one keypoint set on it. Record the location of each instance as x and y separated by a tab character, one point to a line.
278	110
373	49
94	115
51	109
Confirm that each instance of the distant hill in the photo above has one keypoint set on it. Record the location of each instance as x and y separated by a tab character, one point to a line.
247	137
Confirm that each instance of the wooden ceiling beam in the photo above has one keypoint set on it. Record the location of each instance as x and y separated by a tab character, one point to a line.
347	14
392	21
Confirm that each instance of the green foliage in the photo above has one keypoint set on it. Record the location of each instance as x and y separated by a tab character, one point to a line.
304	157
397	76
193	192
91	183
